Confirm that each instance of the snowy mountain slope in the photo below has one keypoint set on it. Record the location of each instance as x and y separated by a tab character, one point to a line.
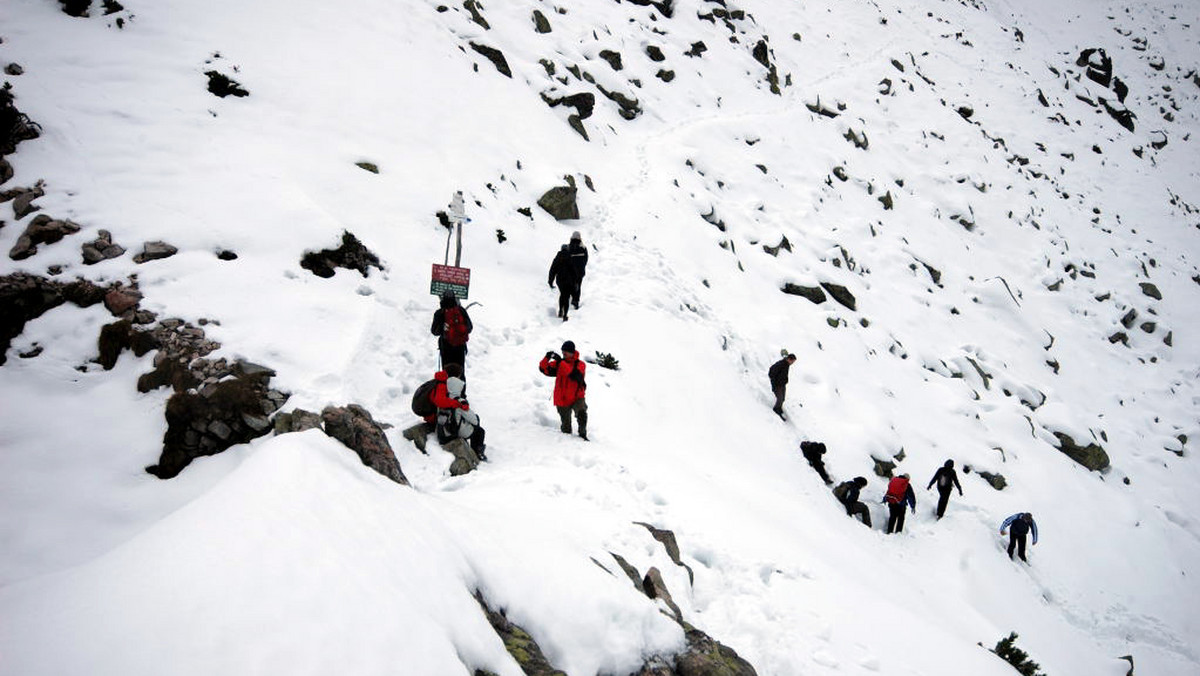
985	297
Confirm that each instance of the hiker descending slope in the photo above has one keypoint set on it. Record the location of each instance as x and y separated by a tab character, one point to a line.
579	259
899	493
847	493
570	386
452	326
778	375
1021	524
563	271
813	450
947	480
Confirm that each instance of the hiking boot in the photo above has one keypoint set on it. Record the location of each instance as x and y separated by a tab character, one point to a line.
583	435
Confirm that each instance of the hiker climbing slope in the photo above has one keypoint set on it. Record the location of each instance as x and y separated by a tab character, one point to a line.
452	325
570	386
563	271
899	493
778	376
1021	524
946	480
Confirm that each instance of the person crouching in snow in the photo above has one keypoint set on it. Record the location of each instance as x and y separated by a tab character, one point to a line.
569	386
458	428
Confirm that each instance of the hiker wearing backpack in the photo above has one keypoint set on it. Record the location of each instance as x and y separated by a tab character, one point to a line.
452	325
563	271
458	428
579	259
1021	524
813	450
847	493
570	386
427	399
778	375
947	480
899	493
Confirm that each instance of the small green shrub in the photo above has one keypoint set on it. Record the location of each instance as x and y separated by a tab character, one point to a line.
606	360
1007	649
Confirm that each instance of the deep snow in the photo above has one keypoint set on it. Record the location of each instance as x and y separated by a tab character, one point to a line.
288	555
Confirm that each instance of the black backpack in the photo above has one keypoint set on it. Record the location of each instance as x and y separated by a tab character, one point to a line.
422	403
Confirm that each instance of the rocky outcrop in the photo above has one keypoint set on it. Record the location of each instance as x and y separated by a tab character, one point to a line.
209	421
153	251
560	202
812	293
351	255
357	430
519	643
495	56
26	297
1092	456
841	294
15	126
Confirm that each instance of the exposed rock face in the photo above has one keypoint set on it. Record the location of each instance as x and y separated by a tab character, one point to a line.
840	293
519	643
207	422
297	420
667	538
41	230
26	297
561	203
495	56
812	293
1091	456
15	126
357	430
22	201
351	255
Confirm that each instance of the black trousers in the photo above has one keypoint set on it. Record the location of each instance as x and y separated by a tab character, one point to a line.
1018	542
943	500
452	354
780	393
895	517
860	510
564	298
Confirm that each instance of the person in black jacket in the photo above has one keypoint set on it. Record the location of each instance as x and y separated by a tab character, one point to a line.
947	480
778	375
452	325
847	493
813	450
563	270
579	258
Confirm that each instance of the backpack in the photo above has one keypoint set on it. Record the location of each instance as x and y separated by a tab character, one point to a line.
841	490
455	331
422	404
896	490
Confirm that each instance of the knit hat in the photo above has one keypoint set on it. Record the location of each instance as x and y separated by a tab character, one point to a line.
568	346
575	235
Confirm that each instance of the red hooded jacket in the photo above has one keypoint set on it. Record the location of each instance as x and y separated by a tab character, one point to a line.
440	397
568	387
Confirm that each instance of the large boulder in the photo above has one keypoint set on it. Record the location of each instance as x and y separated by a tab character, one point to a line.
357	430
1092	456
560	202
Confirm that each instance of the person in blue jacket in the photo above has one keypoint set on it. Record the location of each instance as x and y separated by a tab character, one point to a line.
1020	525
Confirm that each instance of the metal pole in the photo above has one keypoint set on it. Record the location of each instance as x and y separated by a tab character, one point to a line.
458	214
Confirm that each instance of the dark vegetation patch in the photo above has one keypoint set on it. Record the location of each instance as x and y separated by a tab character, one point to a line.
351	255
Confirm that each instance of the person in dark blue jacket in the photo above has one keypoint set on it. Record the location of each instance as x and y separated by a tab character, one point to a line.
1020	525
899	493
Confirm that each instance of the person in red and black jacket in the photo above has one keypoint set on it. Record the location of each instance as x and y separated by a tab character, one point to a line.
452	325
441	399
569	386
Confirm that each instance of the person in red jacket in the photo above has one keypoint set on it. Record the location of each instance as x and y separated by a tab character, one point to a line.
569	386
441	399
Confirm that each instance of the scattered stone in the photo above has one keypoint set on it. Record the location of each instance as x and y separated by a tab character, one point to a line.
41	230
357	430
996	481
584	103
613	58
812	293
22	201
221	85
226	255
297	420
1151	290
655	587
101	249
784	244
540	23
495	56
351	255
655	53
121	299
14	69
6	171
1091	456
368	166
667	538
884	468
841	294
560	202
156	250
120	336
15	126
473	7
